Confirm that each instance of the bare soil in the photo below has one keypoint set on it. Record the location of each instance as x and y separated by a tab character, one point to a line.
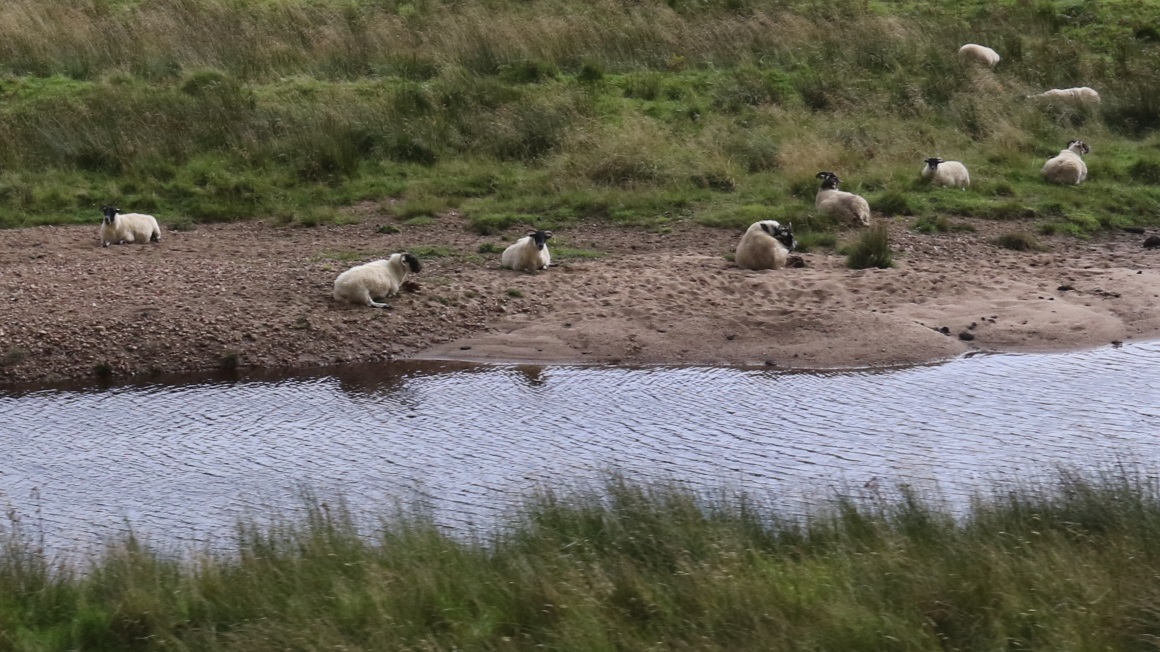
256	295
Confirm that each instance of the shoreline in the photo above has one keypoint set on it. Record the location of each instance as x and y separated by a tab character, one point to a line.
247	296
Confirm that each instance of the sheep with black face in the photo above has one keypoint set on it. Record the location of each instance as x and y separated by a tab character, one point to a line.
946	173
766	245
844	206
375	280
122	228
529	253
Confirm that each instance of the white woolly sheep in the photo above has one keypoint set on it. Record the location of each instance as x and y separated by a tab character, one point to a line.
1068	167
1078	95
529	253
946	173
377	279
124	228
980	54
845	206
766	245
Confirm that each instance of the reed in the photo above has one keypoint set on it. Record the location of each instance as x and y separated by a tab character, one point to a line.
1064	565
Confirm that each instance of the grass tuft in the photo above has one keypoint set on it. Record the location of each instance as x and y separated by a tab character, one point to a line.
1019	241
872	249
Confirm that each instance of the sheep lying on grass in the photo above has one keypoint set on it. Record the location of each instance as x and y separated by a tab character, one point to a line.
845	206
766	245
529	253
121	228
946	173
1079	95
378	279
979	54
1068	167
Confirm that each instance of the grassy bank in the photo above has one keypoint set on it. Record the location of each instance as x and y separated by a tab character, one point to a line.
630	567
548	111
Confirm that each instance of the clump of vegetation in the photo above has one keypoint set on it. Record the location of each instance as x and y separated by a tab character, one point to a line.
514	293
1018	241
872	249
491	248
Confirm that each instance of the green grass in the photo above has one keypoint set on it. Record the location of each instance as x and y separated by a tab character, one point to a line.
1065	566
871	249
546	113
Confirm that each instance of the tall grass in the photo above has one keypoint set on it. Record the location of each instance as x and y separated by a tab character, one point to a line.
1050	567
217	109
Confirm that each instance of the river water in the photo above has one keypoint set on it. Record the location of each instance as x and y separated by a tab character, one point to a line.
181	462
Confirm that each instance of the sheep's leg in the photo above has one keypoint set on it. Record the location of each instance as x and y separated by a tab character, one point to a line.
375	304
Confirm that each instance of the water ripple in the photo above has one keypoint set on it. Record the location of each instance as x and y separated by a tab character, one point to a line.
182	463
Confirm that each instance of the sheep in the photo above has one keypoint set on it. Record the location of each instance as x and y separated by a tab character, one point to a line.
845	206
529	253
946	173
979	54
380	278
1079	95
128	227
1068	167
766	245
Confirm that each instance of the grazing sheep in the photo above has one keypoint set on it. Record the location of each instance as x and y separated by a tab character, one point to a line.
529	253
1068	167
128	227
845	206
946	173
380	278
979	54
1079	95
766	245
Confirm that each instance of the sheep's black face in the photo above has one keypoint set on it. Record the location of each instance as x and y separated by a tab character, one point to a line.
829	180
784	235
413	263
933	162
540	238
110	213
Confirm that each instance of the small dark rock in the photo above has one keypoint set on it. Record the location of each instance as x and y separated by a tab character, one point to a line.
972	326
464	348
1138	230
966	337
1117	343
795	261
770	363
1152	242
944	330
1065	288
730	337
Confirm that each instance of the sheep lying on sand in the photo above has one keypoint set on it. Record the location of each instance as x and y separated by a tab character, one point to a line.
378	279
1068	167
121	228
845	206
766	245
529	253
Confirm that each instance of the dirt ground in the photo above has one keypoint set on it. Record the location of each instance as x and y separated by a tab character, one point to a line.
255	295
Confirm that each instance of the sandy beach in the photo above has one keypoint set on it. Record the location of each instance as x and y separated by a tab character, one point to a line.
256	295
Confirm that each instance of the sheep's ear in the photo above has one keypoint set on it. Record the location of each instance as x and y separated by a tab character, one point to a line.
821	175
532	233
547	234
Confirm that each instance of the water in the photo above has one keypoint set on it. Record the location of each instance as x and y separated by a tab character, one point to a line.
180	463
